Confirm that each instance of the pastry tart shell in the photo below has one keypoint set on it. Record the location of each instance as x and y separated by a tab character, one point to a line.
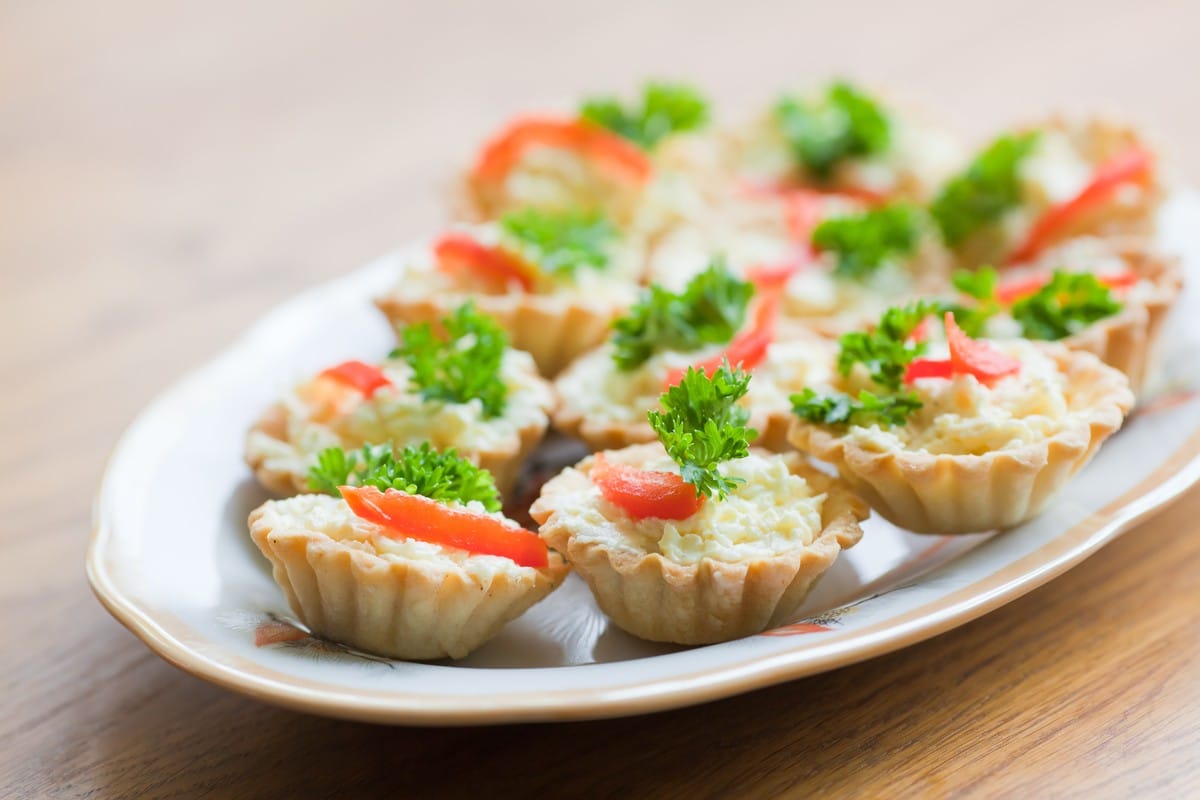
1131	341
949	493
405	609
655	598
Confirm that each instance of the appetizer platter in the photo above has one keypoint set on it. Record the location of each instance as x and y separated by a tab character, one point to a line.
672	410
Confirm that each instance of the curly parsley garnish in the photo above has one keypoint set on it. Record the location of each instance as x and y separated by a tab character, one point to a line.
862	242
709	310
463	366
887	350
418	469
845	124
666	108
866	409
561	242
989	187
702	425
1067	304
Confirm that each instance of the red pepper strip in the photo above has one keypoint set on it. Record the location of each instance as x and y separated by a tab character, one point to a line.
921	332
746	350
1133	166
596	144
645	493
357	375
457	252
1012	291
410	516
803	214
975	357
772	277
928	368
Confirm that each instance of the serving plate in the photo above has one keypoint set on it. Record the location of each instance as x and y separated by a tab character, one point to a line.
171	559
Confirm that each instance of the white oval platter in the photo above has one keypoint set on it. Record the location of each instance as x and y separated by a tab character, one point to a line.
170	557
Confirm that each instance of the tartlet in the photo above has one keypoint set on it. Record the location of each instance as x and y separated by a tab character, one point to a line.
349	581
1092	177
976	457
1145	282
284	443
735	568
910	159
554	318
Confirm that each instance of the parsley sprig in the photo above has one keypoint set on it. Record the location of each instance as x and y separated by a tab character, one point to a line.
666	108
862	242
1067	304
701	426
560	242
462	366
988	188
845	124
709	310
842	409
443	476
887	350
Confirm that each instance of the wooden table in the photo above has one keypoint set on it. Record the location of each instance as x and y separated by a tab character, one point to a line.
167	174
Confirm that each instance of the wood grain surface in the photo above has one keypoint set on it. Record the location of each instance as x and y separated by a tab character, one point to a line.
168	172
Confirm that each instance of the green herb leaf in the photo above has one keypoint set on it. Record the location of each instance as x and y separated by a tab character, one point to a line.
846	124
666	108
989	187
886	351
862	242
841	409
710	310
560	242
461	367
1067	304
702	426
418	469
981	285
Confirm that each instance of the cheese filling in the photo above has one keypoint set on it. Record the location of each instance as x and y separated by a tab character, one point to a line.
331	517
597	389
399	415
773	513
962	416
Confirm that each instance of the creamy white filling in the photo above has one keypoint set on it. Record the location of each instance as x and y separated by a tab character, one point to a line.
331	517
773	513
962	416
595	387
398	415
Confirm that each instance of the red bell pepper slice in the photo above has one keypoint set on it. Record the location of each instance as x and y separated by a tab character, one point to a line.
1132	166
921	332
458	253
644	493
928	368
1012	291
975	357
599	146
366	378
412	516
746	350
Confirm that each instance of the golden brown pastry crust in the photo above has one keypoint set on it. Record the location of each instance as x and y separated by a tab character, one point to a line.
405	609
655	598
948	493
